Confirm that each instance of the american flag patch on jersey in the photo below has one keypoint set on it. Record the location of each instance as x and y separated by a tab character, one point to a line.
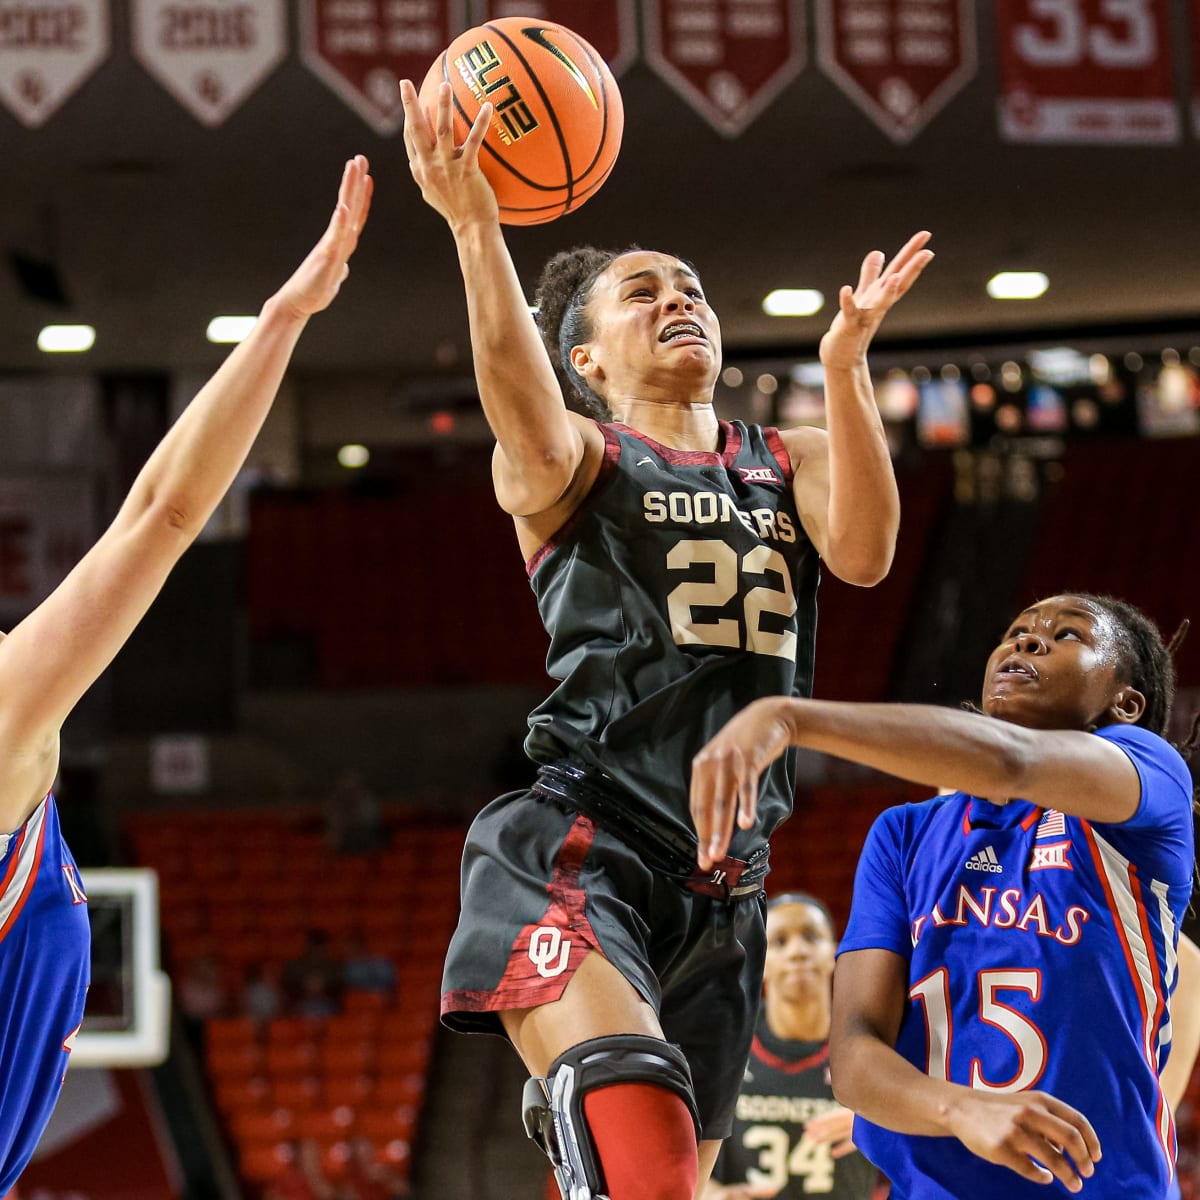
1053	824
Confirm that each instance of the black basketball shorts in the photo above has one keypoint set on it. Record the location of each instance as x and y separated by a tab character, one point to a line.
543	886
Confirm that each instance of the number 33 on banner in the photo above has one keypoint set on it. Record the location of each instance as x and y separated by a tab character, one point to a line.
1079	72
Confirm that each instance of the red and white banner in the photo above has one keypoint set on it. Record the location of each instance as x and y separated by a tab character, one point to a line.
1086	71
609	25
48	48
900	61
727	58
209	54
363	48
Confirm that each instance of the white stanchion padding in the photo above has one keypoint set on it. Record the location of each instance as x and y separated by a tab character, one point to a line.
138	1035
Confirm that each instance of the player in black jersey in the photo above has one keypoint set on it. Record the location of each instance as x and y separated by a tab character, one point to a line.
790	1137
674	560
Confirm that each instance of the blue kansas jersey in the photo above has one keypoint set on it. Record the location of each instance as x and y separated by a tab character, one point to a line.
45	954
1041	953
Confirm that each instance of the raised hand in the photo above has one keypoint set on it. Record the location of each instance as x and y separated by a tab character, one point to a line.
317	279
726	772
861	310
1012	1129
448	174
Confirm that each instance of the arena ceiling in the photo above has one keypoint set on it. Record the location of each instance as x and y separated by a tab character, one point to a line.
153	224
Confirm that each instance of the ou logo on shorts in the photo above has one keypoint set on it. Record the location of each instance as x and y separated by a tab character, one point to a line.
545	945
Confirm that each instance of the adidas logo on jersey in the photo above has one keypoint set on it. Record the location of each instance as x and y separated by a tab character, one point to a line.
985	860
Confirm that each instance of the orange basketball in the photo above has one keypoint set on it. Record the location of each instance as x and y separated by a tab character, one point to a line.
558	114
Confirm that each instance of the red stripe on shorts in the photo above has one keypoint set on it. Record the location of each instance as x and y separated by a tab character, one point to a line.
544	956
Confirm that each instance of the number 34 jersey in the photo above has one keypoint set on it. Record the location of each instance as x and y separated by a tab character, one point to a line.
1041	954
786	1085
682	589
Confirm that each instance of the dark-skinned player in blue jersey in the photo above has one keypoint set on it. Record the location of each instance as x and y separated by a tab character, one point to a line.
1002	996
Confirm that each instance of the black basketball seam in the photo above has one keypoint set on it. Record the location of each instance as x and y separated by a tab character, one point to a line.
593	59
554	121
584	194
462	112
576	195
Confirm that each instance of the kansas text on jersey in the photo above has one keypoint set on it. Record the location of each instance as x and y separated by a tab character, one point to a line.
1041	951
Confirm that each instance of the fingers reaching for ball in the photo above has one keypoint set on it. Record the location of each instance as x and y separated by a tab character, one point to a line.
555	137
447	172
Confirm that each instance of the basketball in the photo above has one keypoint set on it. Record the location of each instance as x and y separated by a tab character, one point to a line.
558	114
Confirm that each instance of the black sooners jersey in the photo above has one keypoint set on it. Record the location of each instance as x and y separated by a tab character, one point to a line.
682	589
787	1084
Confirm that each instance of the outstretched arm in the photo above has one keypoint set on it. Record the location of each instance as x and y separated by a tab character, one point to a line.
1071	771
844	486
539	444
53	656
870	990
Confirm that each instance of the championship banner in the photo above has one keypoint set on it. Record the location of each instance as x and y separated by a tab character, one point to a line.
48	48
1086	71
727	58
363	48
900	61
46	527
209	54
609	25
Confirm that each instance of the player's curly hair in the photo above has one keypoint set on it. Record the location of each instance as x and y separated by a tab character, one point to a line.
563	291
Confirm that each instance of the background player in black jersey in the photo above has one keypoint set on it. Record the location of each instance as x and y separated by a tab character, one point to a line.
790	1137
56	653
674	561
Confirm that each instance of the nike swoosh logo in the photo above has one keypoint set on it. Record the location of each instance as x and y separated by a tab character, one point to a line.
536	34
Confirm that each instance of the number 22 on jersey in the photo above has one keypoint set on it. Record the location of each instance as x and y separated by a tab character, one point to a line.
716	576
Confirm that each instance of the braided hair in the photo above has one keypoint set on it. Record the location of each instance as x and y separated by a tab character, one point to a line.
1146	661
563	291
